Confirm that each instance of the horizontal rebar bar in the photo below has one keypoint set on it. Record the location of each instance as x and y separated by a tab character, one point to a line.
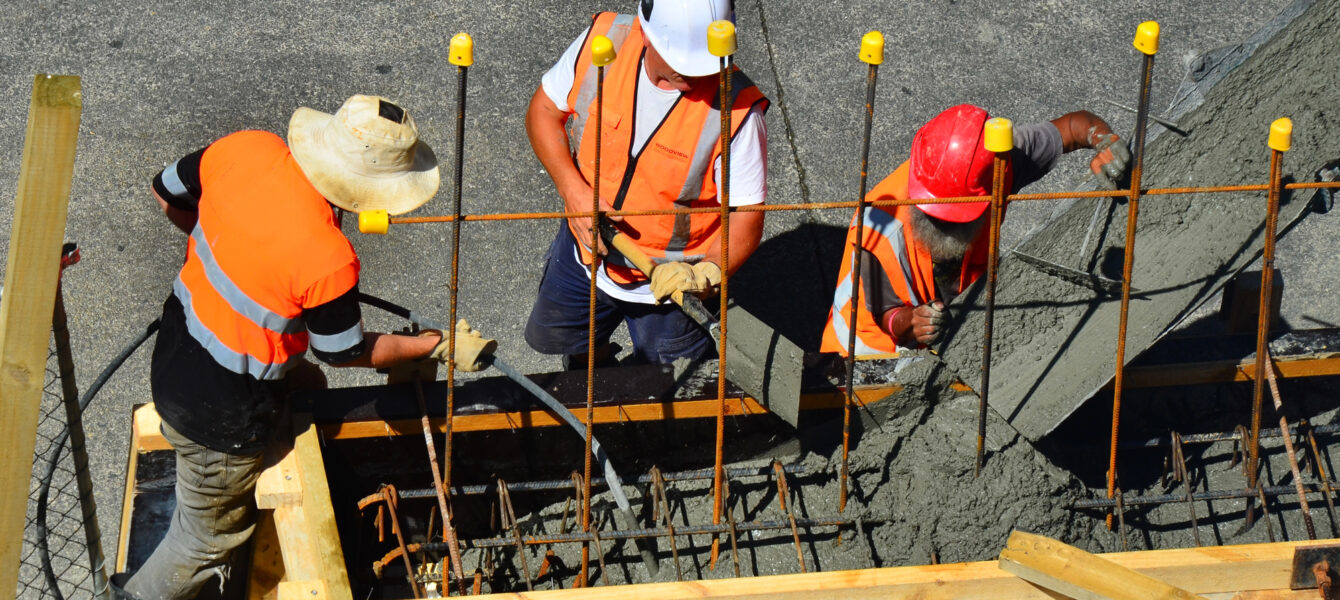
629	534
1128	501
882	203
566	484
1228	436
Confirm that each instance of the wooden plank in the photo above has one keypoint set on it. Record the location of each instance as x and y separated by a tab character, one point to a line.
308	537
128	496
1078	574
303	590
1312	365
279	484
267	563
32	271
148	437
1256	571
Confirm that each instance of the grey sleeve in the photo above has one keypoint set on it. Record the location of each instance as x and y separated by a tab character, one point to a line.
1037	147
879	294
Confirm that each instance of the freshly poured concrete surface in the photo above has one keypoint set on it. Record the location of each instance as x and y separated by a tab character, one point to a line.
1055	342
162	79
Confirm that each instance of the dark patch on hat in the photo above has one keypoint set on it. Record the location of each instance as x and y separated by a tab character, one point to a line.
646	9
390	112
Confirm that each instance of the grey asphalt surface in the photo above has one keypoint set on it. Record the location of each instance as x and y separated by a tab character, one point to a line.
161	79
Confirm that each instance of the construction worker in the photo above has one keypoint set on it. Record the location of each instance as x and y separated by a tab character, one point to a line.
661	129
917	256
268	273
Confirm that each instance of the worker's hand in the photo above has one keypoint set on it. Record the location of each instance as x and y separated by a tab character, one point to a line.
577	198
470	347
924	324
928	322
1113	157
673	279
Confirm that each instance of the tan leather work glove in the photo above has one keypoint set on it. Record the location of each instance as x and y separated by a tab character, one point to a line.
672	280
470	346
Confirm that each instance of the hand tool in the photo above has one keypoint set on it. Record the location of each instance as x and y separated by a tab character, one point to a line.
1096	283
997	137
872	53
1171	125
764	363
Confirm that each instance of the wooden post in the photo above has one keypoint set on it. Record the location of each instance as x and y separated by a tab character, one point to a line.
31	273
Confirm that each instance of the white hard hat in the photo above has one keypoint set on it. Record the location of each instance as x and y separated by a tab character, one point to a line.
677	29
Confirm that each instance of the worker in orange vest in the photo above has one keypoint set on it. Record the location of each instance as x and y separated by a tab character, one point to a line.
660	134
268	275
918	256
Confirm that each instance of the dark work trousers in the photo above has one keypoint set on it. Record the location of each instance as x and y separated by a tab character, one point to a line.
559	320
216	513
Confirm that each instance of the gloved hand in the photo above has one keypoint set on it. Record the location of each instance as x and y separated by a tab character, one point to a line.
470	346
1113	157
925	323
673	279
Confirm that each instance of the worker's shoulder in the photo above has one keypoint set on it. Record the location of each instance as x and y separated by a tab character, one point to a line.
254	140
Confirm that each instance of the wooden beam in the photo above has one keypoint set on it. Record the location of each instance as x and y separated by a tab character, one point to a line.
1067	570
303	590
128	496
32	271
304	520
1229	371
1251	571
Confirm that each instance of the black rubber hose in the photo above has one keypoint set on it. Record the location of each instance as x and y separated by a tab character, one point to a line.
44	492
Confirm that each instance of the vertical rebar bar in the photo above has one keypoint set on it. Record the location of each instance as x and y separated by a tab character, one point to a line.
457	568
591	325
718	476
998	192
1132	216
448	530
857	251
392	506
1263	313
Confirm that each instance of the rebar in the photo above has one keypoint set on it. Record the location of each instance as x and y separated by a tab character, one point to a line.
1260	491
1263	312
1000	163
507	518
857	250
591	322
1132	215
391	502
1321	475
448	531
718	480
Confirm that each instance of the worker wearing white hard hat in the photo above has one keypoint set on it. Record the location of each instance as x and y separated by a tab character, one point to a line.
661	131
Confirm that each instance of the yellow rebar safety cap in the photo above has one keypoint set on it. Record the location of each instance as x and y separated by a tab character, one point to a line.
602	51
721	38
462	53
872	48
1147	37
1281	134
374	221
998	135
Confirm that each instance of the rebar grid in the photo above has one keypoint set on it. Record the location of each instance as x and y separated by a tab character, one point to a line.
1132	194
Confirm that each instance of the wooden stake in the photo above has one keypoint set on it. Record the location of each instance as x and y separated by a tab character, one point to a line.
1068	570
31	274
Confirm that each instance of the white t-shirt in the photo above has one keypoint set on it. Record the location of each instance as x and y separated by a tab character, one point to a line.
748	150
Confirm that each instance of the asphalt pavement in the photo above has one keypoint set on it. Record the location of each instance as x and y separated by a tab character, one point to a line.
162	79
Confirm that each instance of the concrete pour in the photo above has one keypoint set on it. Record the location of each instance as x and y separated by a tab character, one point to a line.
1055	342
912	468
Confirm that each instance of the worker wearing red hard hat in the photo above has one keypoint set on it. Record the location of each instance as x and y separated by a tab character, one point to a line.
917	256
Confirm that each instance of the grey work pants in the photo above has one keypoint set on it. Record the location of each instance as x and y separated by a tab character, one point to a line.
216	513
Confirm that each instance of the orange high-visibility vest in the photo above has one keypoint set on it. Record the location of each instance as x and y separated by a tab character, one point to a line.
906	262
674	168
265	246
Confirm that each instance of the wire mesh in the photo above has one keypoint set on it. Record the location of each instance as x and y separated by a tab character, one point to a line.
65	574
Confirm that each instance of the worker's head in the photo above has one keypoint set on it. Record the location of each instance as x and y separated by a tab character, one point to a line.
948	160
676	31
367	156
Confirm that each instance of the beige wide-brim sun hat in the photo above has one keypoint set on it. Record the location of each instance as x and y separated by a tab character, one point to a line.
366	156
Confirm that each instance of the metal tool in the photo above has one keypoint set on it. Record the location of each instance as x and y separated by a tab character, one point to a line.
767	366
1171	125
1096	283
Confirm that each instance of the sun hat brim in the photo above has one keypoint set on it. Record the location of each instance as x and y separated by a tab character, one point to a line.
354	192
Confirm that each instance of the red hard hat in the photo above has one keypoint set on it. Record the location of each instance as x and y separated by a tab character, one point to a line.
948	160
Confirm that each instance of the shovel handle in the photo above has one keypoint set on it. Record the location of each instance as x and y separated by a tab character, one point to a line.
692	305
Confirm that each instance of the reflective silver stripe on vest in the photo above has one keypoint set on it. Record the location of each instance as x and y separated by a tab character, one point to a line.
338	342
617	33
172	181
885	224
234	296
240	363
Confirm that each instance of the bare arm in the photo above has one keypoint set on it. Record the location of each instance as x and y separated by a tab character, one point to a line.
1079	129
183	219
746	231
545	126
384	350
